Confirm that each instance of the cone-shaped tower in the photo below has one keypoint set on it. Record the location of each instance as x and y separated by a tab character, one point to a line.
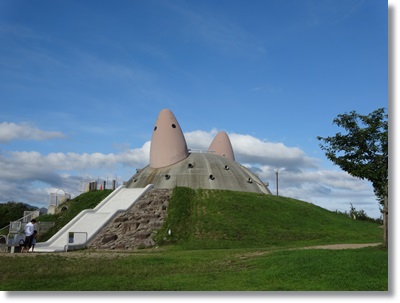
168	145
221	146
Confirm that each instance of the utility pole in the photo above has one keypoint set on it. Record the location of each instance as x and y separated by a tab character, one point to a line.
276	174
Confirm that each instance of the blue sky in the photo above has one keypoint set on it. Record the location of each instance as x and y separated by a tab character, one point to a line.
82	83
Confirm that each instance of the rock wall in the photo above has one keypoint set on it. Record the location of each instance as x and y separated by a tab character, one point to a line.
135	228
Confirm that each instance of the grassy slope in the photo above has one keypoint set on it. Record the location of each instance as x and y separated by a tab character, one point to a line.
207	219
257	229
84	201
201	219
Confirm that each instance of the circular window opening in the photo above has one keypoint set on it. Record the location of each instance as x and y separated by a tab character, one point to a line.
64	208
190	165
173	126
212	177
155	128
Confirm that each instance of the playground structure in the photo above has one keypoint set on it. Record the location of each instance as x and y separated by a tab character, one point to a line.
57	198
81	229
15	237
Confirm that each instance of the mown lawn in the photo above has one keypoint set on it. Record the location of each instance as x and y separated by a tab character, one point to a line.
363	269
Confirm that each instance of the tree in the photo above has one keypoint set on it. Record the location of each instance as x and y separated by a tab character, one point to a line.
363	151
11	211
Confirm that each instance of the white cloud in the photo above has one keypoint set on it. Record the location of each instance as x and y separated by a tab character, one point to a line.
300	176
29	176
137	157
249	149
200	139
331	189
16	162
12	131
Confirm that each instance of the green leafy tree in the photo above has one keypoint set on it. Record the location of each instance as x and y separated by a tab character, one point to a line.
11	211
362	151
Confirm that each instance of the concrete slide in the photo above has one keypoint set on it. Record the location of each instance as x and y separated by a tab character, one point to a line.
81	229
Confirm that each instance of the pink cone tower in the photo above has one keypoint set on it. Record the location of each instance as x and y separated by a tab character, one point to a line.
221	145
168	145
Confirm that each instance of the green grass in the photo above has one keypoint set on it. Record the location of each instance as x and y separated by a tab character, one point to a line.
202	219
201	270
220	241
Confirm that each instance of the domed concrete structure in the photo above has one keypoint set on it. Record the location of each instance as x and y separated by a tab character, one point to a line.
171	163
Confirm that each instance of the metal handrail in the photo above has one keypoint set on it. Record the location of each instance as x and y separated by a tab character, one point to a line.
22	219
201	151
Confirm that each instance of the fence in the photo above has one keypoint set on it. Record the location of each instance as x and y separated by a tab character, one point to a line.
29	215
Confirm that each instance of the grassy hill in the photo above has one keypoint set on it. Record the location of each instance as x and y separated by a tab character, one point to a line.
73	207
220	241
208	219
201	219
215	219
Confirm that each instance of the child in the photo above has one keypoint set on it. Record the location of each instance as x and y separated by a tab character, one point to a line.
21	245
34	239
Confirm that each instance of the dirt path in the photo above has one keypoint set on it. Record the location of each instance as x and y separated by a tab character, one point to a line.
117	254
329	246
341	246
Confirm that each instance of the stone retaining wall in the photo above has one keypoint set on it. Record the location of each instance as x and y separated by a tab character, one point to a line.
135	228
